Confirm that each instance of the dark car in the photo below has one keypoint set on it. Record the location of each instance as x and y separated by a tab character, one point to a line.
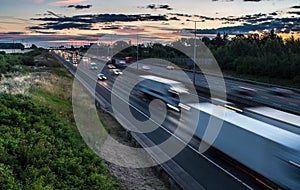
245	90
281	91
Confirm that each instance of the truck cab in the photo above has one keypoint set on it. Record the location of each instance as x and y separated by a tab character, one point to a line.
166	90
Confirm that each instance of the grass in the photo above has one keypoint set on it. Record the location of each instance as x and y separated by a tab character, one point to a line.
55	92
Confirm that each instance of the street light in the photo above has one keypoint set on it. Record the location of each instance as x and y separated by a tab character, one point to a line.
137	51
110	53
195	35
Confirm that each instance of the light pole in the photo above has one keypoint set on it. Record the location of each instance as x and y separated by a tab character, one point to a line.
110	47
194	66
137	51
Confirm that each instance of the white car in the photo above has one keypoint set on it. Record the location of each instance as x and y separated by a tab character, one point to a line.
101	76
117	72
122	62
170	67
94	66
146	67
110	66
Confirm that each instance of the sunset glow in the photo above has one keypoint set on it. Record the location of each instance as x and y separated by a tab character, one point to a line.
64	21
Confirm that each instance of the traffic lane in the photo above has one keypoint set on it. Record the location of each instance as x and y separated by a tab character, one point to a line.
161	139
201	80
263	94
270	121
193	169
169	123
207	174
290	102
268	101
266	98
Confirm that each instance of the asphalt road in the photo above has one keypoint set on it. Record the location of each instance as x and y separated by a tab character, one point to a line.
208	175
263	96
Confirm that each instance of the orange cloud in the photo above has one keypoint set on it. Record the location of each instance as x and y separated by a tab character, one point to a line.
38	1
64	2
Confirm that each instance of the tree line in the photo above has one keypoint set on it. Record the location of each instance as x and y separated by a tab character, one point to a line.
266	54
10	62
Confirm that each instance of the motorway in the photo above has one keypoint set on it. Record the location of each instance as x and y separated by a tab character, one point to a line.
263	96
191	169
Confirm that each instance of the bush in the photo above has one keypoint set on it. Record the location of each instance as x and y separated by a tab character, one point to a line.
296	79
40	150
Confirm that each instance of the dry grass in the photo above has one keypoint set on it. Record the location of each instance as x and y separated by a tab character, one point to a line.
55	91
20	84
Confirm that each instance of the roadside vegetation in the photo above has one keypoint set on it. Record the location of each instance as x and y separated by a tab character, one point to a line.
263	57
266	57
17	62
40	146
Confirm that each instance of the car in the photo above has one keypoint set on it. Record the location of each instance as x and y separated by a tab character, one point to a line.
101	76
245	90
146	67
94	66
117	72
123	62
281	91
110	66
170	67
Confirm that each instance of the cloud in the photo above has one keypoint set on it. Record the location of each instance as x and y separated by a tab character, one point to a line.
294	12
295	7
15	33
61	26
165	7
129	30
45	32
85	22
105	18
80	6
66	2
252	0
117	22
154	6
174	18
283	25
52	13
243	0
180	14
111	27
48	39
273	14
38	1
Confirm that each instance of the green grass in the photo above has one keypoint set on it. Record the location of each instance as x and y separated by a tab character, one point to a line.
56	94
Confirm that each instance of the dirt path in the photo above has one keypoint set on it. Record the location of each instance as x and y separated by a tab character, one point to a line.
131	178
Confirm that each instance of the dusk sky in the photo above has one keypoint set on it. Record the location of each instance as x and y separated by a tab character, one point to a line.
56	22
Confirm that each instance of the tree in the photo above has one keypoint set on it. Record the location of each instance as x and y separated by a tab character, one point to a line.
33	46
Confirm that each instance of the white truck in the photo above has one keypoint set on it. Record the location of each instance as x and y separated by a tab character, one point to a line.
166	90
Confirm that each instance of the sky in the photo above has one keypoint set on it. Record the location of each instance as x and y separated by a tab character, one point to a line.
59	22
